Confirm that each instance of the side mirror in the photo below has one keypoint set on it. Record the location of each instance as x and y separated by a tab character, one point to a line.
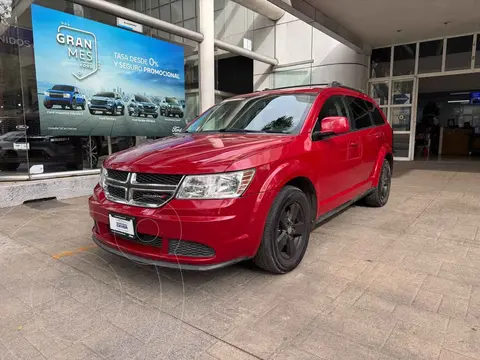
332	125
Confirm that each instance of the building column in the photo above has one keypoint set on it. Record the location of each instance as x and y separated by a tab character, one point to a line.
206	54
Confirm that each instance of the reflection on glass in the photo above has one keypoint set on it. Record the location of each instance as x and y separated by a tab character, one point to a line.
402	92
477	53
459	53
400	118
404	59
379	92
401	144
430	57
292	78
380	63
262	114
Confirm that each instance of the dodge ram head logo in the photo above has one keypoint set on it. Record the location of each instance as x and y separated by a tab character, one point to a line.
82	50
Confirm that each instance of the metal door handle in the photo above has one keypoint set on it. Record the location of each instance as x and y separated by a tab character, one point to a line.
354	144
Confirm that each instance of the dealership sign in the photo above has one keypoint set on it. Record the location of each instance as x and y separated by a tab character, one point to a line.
97	80
13	38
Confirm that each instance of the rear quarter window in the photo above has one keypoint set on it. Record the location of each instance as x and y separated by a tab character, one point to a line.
377	116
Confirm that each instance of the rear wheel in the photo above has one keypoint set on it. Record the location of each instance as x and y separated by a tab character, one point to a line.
380	196
286	233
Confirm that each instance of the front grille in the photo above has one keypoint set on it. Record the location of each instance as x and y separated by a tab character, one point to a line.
140	189
189	248
144	239
143	178
117	175
98	102
116	192
151	197
56	96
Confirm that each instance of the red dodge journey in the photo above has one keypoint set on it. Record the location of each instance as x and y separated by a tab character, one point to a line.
248	179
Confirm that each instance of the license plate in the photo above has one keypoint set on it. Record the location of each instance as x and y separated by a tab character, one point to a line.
21	146
122	225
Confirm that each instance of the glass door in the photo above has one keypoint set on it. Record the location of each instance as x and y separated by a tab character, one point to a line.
397	98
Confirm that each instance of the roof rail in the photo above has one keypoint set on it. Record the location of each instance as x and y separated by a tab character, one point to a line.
333	84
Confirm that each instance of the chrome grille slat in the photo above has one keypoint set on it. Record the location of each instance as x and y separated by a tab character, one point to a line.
123	187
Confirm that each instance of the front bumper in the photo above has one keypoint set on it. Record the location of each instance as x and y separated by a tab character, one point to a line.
101	107
57	101
227	227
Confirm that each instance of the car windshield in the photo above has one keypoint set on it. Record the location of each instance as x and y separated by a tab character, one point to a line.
141	98
270	113
12	136
62	88
105	94
171	101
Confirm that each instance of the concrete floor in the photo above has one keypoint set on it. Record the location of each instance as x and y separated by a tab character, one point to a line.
401	282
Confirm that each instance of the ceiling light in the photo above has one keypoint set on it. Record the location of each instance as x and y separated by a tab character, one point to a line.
459	101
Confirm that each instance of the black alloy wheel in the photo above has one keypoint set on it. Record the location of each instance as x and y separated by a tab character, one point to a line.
291	227
286	233
379	197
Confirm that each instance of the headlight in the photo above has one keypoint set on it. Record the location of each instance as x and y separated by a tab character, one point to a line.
46	93
66	95
103	178
215	186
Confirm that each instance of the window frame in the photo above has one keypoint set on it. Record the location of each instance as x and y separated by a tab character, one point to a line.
350	111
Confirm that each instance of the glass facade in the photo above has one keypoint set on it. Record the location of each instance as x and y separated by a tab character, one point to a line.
393	80
24	150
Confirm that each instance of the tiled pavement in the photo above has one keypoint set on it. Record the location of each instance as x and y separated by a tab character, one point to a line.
402	282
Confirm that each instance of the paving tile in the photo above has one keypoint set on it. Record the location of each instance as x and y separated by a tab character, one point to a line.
114	342
454	306
414	342
444	286
423	263
463	338
450	355
221	350
293	353
254	341
459	273
329	346
423	318
427	300
374	303
359	325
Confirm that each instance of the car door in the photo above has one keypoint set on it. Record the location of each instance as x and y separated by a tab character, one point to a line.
362	127
335	159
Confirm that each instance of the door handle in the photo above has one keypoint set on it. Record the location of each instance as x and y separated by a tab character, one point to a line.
379	135
354	144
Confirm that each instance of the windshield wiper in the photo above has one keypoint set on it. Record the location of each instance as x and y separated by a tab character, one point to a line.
238	130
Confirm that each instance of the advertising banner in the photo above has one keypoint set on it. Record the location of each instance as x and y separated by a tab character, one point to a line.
98	80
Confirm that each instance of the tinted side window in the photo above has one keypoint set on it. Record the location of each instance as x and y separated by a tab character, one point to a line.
334	106
360	115
376	116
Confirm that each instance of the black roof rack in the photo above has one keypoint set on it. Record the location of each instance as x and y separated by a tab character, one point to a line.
333	84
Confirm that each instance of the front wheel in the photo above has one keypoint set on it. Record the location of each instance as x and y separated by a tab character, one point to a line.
379	197
286	233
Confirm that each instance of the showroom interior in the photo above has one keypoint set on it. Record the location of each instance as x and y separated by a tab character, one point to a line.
429	92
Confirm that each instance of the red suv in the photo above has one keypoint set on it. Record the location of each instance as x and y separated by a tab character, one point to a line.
248	179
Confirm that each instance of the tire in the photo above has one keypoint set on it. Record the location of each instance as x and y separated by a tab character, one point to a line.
379	197
92	112
280	250
129	113
83	106
63	107
155	116
122	112
73	105
180	116
48	106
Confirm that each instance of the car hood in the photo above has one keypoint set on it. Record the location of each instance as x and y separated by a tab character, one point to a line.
194	153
